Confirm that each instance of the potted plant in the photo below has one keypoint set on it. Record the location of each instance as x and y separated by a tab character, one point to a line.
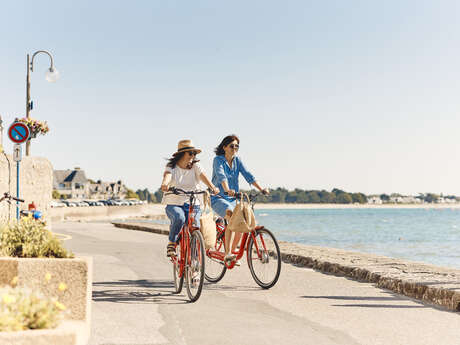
36	127
28	253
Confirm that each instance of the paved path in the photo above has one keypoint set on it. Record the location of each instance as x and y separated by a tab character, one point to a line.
133	303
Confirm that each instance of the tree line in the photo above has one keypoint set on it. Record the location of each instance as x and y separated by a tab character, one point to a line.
282	195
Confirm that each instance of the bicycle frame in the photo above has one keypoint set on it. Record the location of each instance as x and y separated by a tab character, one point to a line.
184	234
243	246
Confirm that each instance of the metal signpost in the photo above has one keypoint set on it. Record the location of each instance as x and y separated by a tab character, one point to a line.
18	133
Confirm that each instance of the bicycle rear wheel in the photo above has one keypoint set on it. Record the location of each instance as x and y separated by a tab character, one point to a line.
194	270
215	269
264	258
178	281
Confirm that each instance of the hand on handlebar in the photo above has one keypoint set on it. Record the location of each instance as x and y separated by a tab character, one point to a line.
230	192
265	191
164	188
215	190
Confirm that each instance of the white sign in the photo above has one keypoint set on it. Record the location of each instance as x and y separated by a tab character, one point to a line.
17	152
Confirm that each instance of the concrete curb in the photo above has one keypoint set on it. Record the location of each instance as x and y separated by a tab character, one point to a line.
154	228
66	333
428	283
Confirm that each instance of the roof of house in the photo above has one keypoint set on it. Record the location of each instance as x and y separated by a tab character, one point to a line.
61	176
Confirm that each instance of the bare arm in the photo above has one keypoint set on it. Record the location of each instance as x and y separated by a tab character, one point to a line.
208	183
262	190
166	180
227	189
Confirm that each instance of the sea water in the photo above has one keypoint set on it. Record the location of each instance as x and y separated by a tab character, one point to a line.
426	235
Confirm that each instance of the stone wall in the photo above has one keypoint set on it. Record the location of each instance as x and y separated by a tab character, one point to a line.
36	184
105	212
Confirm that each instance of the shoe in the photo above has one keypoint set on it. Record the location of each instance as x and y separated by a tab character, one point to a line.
170	250
229	258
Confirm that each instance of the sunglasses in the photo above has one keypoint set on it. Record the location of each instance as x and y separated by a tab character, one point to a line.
192	153
234	146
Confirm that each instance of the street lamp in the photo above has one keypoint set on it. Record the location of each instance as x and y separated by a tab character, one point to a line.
51	75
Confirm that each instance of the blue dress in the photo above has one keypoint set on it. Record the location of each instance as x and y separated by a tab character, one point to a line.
221	171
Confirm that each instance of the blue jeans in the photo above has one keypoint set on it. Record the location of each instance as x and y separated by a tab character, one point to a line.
220	205
177	215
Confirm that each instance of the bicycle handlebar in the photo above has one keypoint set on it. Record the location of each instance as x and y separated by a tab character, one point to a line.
178	191
9	197
251	195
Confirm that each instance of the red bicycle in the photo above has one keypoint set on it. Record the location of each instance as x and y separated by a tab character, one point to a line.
189	260
262	249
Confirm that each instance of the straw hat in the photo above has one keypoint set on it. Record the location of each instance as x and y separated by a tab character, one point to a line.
185	145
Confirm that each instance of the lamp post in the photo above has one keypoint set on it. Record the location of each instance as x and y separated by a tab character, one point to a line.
51	75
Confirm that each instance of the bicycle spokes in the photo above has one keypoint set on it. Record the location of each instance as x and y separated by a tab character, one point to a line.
264	258
195	267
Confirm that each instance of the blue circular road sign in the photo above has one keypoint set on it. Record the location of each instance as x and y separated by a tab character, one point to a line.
18	132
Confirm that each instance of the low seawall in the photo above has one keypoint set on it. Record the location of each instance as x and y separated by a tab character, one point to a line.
428	283
36	184
60	214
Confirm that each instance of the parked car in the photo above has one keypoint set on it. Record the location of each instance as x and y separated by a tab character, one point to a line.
57	204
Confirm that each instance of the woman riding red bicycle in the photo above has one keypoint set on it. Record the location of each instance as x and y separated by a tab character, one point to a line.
226	169
184	172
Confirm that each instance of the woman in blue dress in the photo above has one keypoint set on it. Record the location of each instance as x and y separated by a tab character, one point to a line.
227	167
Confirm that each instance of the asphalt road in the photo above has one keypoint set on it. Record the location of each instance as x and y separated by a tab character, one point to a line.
133	302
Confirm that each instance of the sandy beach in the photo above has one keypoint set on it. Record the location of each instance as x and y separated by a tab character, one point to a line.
343	206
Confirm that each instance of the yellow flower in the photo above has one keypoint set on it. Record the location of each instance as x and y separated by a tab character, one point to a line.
60	306
62	286
7	299
48	277
14	281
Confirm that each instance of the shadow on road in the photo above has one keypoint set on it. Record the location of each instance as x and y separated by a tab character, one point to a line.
394	298
137	291
233	288
396	306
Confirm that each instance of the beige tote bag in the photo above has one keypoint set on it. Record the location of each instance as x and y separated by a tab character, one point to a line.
207	224
243	219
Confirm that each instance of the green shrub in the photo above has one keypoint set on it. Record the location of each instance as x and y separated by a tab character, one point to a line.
22	308
29	238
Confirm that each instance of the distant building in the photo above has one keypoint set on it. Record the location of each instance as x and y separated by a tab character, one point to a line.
444	200
405	200
71	184
374	200
107	190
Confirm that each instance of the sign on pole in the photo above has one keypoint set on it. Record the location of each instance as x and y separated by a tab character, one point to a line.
18	132
17	152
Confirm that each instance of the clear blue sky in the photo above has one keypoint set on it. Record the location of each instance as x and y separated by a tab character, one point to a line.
359	95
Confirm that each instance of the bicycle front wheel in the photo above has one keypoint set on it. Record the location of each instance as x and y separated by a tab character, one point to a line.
178	280
215	268
264	258
194	270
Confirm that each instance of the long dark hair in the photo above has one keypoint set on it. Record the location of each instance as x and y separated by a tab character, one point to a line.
172	162
219	150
